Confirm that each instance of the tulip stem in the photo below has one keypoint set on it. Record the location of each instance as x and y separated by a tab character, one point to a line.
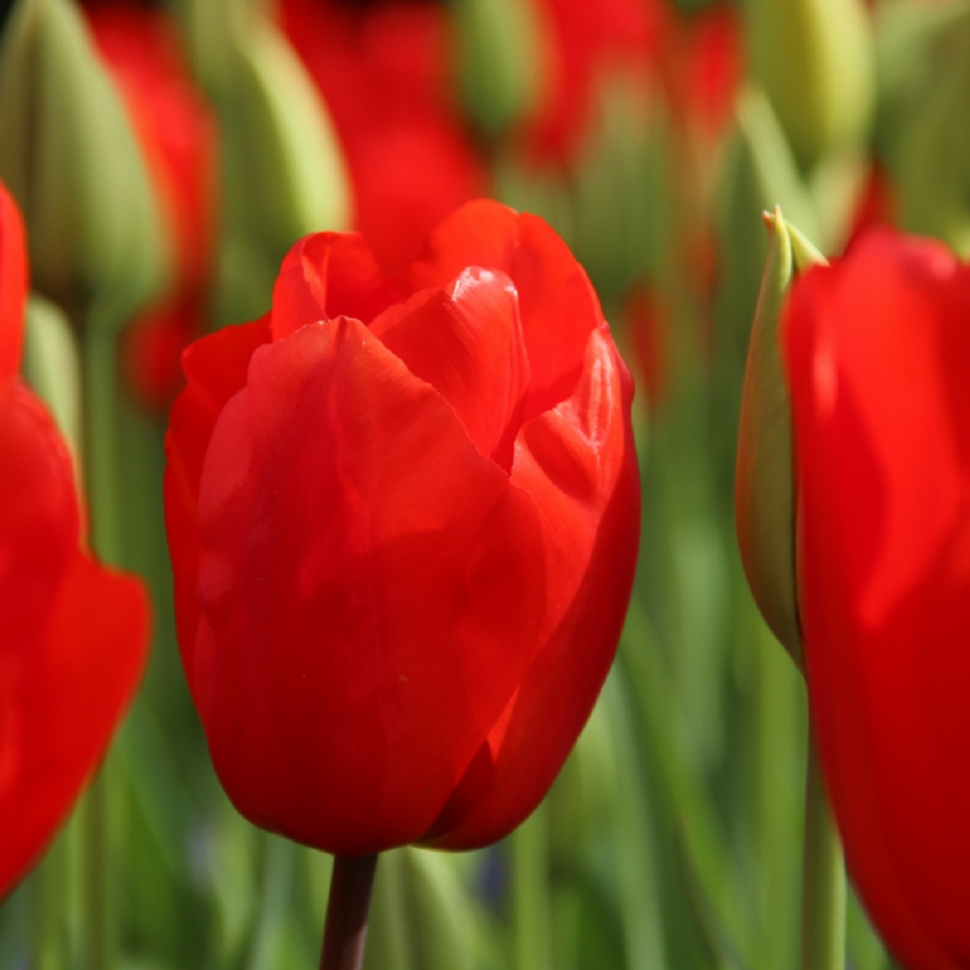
823	877
98	450
346	927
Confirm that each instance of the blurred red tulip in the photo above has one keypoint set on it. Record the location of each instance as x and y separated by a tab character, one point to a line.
878	353
75	633
403	514
177	133
586	42
703	66
385	73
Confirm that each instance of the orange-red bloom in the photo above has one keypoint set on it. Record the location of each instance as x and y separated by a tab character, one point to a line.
878	350
403	515
74	634
176	130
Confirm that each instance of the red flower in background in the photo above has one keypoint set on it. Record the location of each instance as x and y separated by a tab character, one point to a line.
587	41
385	73
74	633
403	514
702	62
878	351
177	133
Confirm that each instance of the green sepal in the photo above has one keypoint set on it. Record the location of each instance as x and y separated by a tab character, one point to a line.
764	485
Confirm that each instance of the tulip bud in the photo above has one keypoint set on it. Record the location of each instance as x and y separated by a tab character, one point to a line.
284	171
764	490
815	61
70	158
500	56
760	173
52	366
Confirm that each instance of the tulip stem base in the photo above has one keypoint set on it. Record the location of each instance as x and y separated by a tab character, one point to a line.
823	877
346	928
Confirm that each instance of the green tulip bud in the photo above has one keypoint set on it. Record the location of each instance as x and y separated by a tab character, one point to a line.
760	172
500	57
764	488
815	60
71	159
285	174
51	365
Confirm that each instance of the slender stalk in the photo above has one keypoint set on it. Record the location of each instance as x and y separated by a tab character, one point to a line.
823	877
98	450
530	893
346	928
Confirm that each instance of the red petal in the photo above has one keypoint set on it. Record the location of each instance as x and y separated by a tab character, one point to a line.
62	694
324	276
371	587
466	342
215	368
39	516
558	305
878	353
13	284
74	636
579	465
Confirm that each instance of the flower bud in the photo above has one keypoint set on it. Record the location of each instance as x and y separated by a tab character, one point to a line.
70	158
500	55
764	490
285	174
815	61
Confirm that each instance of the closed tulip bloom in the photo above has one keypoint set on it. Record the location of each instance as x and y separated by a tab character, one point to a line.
403	514
74	633
878	356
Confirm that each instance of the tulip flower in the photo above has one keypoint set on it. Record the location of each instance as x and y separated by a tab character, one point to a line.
384	73
75	634
878	353
176	131
403	514
587	43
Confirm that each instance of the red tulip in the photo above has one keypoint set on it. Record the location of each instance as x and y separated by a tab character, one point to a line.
385	75
75	633
588	41
878	350
403	514
176	130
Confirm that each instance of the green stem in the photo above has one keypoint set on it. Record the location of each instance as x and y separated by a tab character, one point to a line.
47	910
98	450
823	877
99	441
530	893
346	928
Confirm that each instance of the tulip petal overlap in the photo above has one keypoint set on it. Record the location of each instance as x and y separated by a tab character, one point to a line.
385	567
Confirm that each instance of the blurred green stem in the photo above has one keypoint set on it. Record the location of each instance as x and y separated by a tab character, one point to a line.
346	929
823	877
98	450
47	911
530	893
